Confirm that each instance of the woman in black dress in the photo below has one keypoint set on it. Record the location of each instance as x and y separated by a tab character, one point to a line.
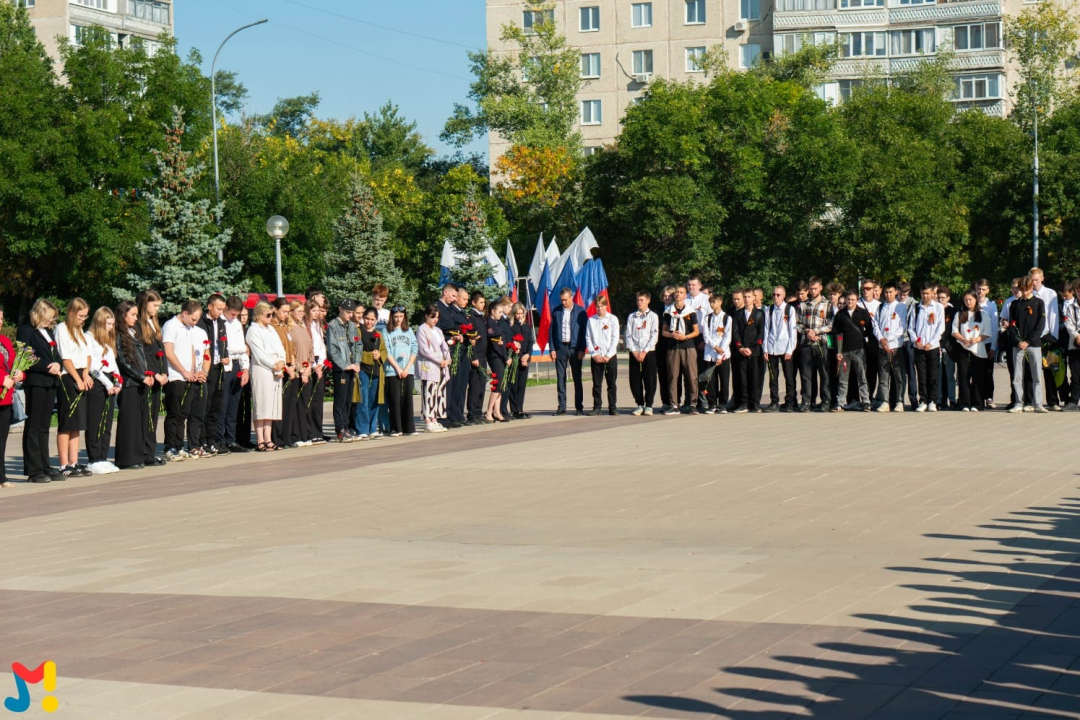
498	335
513	404
133	421
41	385
243	413
149	332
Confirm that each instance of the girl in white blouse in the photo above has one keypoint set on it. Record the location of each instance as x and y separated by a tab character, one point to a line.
100	398
971	329
75	382
267	365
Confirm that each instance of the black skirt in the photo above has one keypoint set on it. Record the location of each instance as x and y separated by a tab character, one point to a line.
72	406
132	424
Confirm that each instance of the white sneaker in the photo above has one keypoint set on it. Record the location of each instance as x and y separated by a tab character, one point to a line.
638	410
899	407
176	456
966	409
435	428
1015	408
1028	408
364	437
921	407
112	467
99	468
648	411
883	407
1041	409
932	407
974	409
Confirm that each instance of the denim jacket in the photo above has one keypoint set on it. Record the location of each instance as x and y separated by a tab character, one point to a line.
339	343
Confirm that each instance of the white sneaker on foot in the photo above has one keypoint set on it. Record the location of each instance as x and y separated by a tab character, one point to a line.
932	407
921	407
648	411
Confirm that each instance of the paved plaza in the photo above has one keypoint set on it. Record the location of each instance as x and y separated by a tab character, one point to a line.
756	566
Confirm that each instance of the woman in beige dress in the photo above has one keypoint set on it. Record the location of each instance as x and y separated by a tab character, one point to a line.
267	367
299	430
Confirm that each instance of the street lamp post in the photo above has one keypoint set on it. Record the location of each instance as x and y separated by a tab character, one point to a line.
213	113
277	227
1035	184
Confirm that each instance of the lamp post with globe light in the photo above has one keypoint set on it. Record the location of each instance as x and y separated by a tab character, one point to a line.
277	227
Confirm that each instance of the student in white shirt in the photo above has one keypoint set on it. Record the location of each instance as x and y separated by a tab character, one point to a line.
890	331
602	345
642	334
781	335
75	382
971	330
1055	396
184	357
100	398
990	309
236	375
924	332
715	379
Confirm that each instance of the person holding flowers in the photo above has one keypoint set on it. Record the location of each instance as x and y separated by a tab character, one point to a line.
925	330
602	343
315	319
401	352
105	372
372	359
234	377
433	369
149	332
479	378
290	388
138	381
10	373
513	403
499	340
971	331
299	432
184	351
41	385
75	382
213	324
1027	322
714	382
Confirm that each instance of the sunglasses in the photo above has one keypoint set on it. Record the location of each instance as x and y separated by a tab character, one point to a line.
398	308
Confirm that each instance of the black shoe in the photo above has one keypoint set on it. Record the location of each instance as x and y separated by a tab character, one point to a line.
522	416
38	479
209	451
560	411
52	472
223	450
595	411
83	470
612	411
771	408
802	408
234	448
159	461
787	408
137	466
740	410
579	411
68	472
454	424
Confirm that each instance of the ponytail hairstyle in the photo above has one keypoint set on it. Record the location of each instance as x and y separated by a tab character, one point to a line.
74	307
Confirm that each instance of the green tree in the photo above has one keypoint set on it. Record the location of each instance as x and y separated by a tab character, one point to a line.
392	141
361	256
290	116
180	257
529	96
470	237
1042	40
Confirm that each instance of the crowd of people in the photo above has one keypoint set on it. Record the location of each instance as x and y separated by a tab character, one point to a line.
233	380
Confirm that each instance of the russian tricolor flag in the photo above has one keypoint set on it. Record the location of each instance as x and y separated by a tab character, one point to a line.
543	305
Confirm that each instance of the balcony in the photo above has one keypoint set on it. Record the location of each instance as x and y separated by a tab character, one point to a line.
831	17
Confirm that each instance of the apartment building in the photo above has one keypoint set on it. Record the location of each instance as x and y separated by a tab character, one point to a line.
126	20
626	43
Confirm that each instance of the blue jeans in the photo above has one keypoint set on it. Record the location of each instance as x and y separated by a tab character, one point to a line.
367	410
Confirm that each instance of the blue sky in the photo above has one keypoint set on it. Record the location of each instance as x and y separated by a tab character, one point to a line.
355	67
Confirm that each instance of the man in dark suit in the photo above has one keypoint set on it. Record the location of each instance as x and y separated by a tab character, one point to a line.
748	333
213	324
451	318
478	373
567	341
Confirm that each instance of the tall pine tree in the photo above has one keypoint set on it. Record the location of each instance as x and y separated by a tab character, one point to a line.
362	256
470	237
180	259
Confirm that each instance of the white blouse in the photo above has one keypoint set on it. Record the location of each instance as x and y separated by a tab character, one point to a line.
77	353
972	329
102	362
265	345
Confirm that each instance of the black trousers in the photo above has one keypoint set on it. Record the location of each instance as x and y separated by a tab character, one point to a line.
215	387
563	358
1074	376
970	379
150	429
343	391
243	418
912	376
286	431
181	409
303	410
776	363
228	408
457	388
738	392
714	385
132	422
750	378
99	423
926	369
643	379
814	366
35	442
871	368
315	406
5	428
399	403
479	378
988	379
601	373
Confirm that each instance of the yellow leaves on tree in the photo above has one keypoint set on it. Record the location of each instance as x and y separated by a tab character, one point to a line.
535	174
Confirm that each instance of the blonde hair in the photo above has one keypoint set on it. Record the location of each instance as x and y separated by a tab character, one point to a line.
74	308
105	337
261	308
517	306
43	313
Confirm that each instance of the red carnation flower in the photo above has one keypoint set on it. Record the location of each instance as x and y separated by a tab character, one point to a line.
356	339
327	364
306	364
206	357
519	338
205	342
148	373
160	354
104	363
493	376
52	343
376	336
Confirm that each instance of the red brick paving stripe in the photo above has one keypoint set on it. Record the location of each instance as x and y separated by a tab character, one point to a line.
286	465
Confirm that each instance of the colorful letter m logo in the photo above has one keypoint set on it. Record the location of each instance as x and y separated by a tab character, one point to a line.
45	673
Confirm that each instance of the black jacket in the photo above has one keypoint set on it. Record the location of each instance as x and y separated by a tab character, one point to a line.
499	334
37	375
132	364
851	325
214	329
748	332
1028	317
480	349
451	317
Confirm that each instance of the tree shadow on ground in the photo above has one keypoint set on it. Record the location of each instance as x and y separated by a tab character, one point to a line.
1009	648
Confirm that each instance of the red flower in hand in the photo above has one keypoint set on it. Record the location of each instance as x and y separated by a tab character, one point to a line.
356	339
206	342
148	373
376	336
206	357
327	364
493	376
306	364
104	363
160	354
519	338
52	343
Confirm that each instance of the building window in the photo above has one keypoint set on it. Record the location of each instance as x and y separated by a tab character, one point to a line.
846	86
748	54
695	12
863	44
531	19
590	65
643	62
151	10
977	87
78	34
980	36
912	42
793	42
591	150
25	3
591	112
590	19
856	4
804	5
916	2
641	15
694	56
96	4
750	9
